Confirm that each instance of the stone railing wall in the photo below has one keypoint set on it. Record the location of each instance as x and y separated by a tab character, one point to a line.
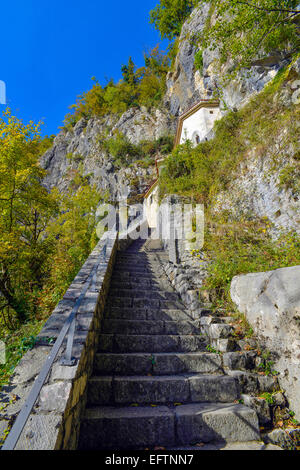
55	419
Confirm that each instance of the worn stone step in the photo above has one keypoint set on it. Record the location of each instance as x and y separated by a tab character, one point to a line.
157	364
144	302
132	269
219	445
147	314
140	284
150	327
211	319
140	262
151	343
133	327
254	384
133	256
217	330
142	293
223	344
239	360
127	275
132	265
211	422
117	428
168	389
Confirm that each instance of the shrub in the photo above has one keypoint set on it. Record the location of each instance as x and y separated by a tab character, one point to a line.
199	61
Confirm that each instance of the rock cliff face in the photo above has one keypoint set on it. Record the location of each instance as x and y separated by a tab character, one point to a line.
271	302
256	192
80	148
187	85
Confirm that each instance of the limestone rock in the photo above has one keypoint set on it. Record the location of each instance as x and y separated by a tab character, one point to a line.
79	147
261	407
186	85
271	303
281	438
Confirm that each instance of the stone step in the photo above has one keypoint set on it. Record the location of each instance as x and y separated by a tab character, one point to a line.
157	364
254	384
144	302
151	343
217	330
212	319
239	360
147	314
140	262
150	327
168	389
127	275
223	345
140	284
132	268
133	256
141	293
131	427
219	445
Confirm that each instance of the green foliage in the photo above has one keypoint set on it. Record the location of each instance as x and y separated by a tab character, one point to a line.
204	171
140	87
237	246
246	30
169	16
17	343
119	147
241	247
267	368
25	210
289	178
45	237
125	153
199	61
212	350
268	397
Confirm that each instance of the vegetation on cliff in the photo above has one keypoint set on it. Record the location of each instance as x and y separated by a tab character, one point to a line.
242	31
144	86
268	126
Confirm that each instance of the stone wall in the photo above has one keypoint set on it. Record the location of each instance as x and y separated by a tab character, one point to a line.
55	419
186	270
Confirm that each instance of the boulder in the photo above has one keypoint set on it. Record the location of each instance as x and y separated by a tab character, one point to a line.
271	303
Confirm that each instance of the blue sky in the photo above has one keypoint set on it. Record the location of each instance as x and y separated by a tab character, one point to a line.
51	49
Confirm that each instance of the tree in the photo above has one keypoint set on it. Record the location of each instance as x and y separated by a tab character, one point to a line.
247	30
73	233
25	210
169	16
128	72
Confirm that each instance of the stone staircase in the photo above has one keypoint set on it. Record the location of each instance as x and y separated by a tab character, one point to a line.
155	383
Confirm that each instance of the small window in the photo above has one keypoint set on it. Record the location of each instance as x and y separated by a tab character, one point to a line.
211	112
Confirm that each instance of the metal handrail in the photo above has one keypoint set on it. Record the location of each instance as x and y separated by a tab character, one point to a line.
69	326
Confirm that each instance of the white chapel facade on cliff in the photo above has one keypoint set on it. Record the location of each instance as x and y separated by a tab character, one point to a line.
194	125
